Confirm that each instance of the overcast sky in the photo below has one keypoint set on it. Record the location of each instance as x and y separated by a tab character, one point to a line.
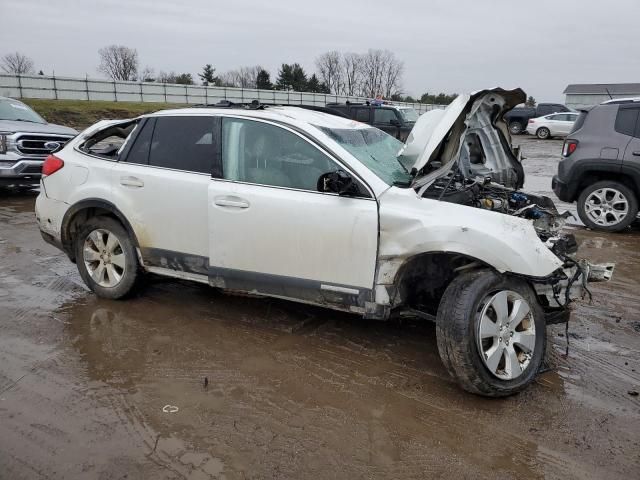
446	45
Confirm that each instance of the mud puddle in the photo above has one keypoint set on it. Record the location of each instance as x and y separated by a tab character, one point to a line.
291	391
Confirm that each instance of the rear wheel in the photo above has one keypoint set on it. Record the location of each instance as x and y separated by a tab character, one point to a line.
543	133
106	258
516	128
608	206
491	333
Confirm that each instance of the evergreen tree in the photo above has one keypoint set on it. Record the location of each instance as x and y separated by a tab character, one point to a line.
208	75
263	80
313	85
292	77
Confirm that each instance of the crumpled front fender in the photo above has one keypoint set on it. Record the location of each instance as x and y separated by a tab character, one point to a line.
411	226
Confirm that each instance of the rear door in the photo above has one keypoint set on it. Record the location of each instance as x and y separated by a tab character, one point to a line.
271	231
161	187
563	122
628	123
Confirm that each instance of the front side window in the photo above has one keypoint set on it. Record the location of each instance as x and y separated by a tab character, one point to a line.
377	150
183	143
409	114
265	154
384	116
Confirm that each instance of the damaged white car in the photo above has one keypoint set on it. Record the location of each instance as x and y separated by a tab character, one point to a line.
298	204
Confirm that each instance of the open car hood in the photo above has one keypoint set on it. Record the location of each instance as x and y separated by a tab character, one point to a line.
470	133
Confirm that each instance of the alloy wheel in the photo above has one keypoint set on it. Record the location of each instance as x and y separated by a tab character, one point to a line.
606	207
506	335
104	258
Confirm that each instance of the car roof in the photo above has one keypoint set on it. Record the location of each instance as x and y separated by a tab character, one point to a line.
290	115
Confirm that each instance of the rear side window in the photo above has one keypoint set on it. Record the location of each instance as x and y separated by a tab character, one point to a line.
361	114
384	115
183	143
626	120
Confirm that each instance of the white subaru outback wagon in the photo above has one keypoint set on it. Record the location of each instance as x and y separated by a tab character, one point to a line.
302	205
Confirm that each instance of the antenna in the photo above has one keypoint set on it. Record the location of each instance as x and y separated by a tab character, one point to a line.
607	90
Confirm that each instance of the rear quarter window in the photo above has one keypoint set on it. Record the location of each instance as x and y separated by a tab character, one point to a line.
626	119
579	122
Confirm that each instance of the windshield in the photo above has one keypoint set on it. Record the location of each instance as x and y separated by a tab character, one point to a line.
17	111
376	150
409	114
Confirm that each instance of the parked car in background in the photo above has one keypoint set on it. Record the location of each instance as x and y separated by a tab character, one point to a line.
519	117
600	166
25	140
554	125
315	208
397	121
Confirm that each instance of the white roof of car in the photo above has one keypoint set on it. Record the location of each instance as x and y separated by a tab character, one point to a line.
292	115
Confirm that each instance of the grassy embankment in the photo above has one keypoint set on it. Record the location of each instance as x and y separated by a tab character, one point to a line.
79	114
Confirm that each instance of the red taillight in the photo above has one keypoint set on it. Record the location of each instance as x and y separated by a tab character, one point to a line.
51	165
569	147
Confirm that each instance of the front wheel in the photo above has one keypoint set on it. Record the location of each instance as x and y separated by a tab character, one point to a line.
106	258
491	333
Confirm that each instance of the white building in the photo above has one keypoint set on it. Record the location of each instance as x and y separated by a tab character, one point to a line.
581	95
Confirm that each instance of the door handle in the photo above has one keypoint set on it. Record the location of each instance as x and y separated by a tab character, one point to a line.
131	182
235	202
636	153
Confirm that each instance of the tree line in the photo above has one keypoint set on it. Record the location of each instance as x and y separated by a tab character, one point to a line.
375	73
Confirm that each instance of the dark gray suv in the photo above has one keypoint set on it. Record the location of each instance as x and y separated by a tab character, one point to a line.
600	166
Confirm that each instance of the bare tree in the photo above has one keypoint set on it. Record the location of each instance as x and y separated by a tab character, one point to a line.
392	75
381	73
17	64
352	73
244	77
119	62
330	70
148	74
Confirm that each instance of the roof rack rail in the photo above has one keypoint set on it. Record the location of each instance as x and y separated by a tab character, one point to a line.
256	105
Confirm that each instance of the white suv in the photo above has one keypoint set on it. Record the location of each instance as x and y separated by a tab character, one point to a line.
311	207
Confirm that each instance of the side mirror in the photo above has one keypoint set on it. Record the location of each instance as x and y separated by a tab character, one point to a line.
395	122
339	182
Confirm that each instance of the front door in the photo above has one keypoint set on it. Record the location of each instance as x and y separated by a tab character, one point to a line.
271	231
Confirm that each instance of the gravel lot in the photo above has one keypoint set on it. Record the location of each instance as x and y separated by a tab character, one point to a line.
295	391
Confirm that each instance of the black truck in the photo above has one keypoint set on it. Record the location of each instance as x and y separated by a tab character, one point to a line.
519	117
396	120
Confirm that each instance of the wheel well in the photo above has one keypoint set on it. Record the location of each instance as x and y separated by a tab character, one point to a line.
589	178
71	225
422	280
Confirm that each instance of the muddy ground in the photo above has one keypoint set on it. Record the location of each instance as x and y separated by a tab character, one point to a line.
294	391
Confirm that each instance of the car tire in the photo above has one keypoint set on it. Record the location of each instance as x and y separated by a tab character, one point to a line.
617	214
469	355
543	133
107	258
516	128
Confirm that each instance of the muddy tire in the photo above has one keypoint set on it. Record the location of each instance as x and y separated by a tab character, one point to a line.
543	133
106	258
516	128
491	333
607	206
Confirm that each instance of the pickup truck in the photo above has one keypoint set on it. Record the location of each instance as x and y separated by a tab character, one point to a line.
25	141
518	118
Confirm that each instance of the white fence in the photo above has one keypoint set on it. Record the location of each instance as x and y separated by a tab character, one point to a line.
67	88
